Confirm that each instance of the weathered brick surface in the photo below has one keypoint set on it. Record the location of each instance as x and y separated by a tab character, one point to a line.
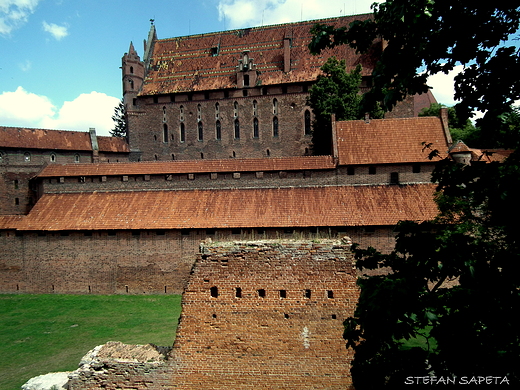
282	330
140	262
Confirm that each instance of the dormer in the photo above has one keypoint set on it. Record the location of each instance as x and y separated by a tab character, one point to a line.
246	73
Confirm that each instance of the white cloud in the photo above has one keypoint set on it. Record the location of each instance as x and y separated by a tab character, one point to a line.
25	109
14	13
94	109
250	13
442	85
58	32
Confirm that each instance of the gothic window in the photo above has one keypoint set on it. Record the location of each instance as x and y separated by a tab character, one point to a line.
182	133
255	108
307	122
218	130
27	157
131	69
199	112
53	157
237	129
181	113
165	133
275	126
255	128
201	131
131	84
235	109
246	80
76	158
275	107
217	111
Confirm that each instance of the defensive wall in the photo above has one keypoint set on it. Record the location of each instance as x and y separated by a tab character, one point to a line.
255	315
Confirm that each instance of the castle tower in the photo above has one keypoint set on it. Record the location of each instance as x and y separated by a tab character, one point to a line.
133	76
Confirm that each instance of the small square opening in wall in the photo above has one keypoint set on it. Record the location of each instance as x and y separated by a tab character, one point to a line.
283	293
213	292
238	292
307	293
330	294
261	293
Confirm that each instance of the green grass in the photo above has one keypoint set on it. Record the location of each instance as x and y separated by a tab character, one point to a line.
50	333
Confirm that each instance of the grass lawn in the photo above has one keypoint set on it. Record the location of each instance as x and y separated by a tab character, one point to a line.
49	333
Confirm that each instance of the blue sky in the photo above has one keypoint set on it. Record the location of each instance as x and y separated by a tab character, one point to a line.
60	59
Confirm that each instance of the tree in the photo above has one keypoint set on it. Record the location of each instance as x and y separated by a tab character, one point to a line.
444	301
460	129
119	118
335	92
425	37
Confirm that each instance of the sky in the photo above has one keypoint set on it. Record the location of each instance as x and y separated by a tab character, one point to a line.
60	59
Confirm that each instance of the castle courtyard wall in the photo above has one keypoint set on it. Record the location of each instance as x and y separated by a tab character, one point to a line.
255	315
132	262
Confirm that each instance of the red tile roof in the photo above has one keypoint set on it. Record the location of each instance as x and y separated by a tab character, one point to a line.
17	137
113	144
10	222
190	166
187	64
24	138
389	141
233	208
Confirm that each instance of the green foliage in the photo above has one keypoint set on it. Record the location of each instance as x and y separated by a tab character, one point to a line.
437	36
471	327
49	333
460	129
335	92
119	118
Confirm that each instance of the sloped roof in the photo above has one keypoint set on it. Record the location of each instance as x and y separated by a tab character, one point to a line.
486	155
209	61
389	141
26	138
189	166
18	137
233	208
10	221
113	144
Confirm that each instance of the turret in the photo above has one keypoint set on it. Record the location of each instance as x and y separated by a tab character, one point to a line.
133	76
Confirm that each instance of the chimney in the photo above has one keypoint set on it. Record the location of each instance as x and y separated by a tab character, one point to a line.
286	55
94	144
443	114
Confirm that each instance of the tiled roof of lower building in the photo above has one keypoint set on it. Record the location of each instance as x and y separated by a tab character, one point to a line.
190	166
389	141
233	208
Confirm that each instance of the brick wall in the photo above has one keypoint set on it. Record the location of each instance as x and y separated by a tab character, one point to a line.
133	262
339	176
255	315
147	121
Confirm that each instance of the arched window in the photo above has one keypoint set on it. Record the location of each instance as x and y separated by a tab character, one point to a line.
218	130
181	113
76	158
237	129
255	108
217	111
27	157
131	84
182	132
307	124
275	107
131	69
201	131
165	132
255	128
53	157
199	112
235	109
275	126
